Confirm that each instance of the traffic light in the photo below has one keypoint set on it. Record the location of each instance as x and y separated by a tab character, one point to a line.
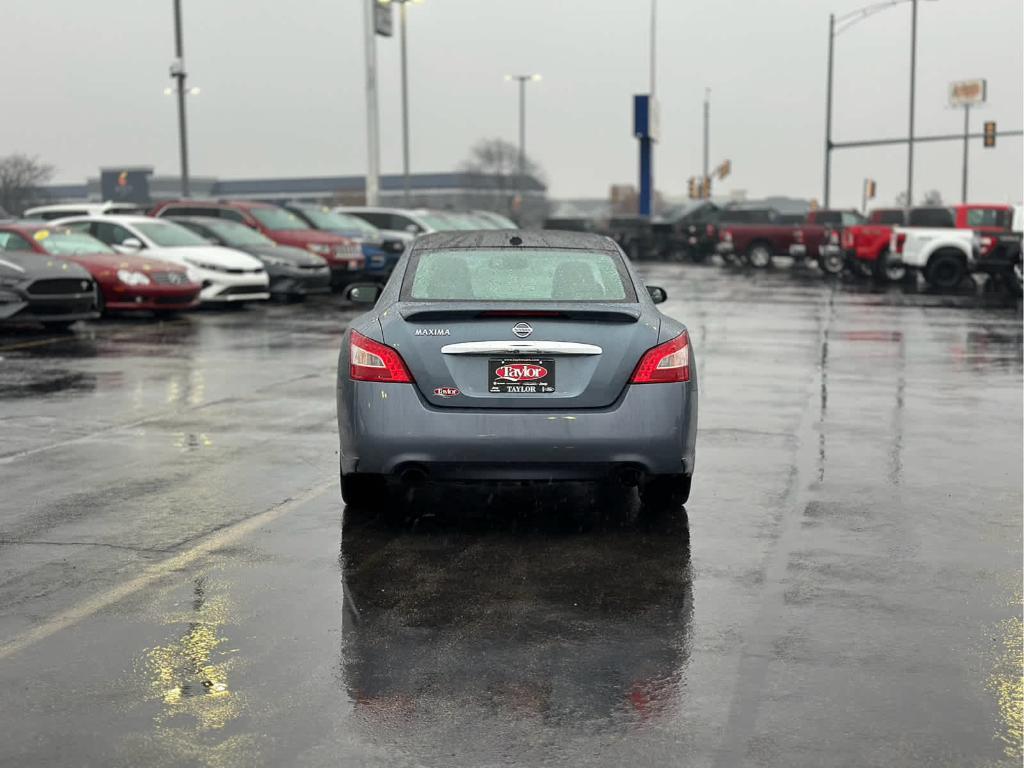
694	191
724	169
705	187
870	187
990	133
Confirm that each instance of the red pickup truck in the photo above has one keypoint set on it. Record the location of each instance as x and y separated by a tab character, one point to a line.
758	244
866	247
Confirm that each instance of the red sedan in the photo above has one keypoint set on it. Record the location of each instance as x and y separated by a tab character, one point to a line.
125	282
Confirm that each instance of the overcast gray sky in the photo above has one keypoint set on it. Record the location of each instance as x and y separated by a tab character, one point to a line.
282	88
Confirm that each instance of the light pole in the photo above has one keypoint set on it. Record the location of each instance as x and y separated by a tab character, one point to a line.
178	73
521	173
372	114
405	98
836	26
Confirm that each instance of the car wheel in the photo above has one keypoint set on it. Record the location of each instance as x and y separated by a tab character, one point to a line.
831	263
889	269
362	491
663	494
759	256
946	270
60	326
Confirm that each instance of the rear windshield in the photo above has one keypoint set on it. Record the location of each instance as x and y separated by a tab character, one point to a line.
517	274
278	219
895	216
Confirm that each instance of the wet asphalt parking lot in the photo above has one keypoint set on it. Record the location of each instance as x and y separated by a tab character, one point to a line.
179	584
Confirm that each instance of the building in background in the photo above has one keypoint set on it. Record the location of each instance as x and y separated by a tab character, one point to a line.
443	191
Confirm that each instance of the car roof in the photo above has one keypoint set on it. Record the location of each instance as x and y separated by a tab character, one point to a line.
502	238
115	218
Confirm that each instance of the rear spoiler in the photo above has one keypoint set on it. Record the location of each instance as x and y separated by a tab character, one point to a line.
622	313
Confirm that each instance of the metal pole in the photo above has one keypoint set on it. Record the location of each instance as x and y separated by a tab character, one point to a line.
707	129
826	195
521	190
864	197
654	42
967	133
405	110
179	75
913	76
372	129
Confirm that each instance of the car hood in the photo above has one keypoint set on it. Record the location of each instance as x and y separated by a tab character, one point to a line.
226	258
33	266
115	261
304	237
296	256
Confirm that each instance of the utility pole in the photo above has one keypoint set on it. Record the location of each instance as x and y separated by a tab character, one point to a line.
521	164
405	107
178	73
913	76
372	117
967	133
707	129
826	194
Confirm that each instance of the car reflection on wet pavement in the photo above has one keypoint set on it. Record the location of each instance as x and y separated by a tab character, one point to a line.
180	585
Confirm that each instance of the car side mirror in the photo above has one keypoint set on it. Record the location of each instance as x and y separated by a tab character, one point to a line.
132	243
658	295
363	293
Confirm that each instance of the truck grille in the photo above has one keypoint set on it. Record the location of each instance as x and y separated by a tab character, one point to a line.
59	287
348	251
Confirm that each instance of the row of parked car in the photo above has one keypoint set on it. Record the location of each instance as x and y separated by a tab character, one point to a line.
69	262
944	244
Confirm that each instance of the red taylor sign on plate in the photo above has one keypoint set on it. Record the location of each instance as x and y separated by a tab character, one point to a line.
521	377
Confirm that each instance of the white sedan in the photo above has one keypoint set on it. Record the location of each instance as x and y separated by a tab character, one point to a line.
226	275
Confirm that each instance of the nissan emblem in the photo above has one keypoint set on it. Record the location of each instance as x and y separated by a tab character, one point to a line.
522	330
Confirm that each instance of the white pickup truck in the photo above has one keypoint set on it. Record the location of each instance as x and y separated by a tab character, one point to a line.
946	244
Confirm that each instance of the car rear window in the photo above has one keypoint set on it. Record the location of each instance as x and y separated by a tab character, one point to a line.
517	274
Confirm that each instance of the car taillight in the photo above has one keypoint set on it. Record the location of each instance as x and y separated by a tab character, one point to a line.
727	236
665	363
798	236
370	360
847	238
987	243
901	240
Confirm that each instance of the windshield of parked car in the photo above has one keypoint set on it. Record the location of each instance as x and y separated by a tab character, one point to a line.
167	235
68	243
235	234
519	274
438	222
278	218
325	218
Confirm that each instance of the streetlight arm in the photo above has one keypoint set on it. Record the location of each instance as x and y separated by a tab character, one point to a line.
847	20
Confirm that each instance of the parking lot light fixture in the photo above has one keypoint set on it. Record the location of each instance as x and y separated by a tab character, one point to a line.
521	165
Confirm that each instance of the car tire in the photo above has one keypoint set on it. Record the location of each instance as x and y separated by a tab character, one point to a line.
759	256
1015	278
831	264
946	270
662	494
362	491
58	326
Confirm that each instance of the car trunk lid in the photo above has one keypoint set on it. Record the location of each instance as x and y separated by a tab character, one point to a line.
477	355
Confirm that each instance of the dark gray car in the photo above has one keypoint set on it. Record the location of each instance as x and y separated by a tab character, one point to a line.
293	272
40	289
510	355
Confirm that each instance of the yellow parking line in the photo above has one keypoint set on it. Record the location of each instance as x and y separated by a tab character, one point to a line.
157	571
37	343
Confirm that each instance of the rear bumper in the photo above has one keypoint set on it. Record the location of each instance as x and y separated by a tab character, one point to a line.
385	428
291	281
18	306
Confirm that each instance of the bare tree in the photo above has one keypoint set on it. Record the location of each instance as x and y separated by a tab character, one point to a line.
902	200
498	161
932	197
20	177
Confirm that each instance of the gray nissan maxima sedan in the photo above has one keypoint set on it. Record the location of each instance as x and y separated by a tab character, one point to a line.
508	355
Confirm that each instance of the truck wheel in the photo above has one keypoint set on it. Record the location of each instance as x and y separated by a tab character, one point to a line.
759	256
1015	278
832	263
946	270
888	269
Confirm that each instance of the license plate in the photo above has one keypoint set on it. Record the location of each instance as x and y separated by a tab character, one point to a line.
516	376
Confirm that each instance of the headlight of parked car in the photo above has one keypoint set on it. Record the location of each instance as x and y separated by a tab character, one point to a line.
131	277
274	261
203	265
321	248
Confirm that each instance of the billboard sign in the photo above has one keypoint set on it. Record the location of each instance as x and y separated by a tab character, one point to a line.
125	185
968	93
